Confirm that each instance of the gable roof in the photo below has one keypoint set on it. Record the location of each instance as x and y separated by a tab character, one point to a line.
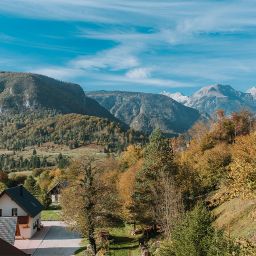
24	199
9	250
58	186
8	229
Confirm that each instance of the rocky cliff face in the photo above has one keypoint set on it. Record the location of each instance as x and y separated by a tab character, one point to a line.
145	111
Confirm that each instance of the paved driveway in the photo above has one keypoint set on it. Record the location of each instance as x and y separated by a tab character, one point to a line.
54	241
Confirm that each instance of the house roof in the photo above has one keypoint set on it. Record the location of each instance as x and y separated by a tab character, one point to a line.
24	199
7	249
7	229
58	186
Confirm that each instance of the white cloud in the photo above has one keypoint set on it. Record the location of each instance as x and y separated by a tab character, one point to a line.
117	58
139	73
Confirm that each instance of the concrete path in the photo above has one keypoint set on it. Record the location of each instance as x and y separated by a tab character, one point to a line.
55	241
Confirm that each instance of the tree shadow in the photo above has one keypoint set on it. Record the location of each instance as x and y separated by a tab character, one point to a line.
124	248
123	243
122	239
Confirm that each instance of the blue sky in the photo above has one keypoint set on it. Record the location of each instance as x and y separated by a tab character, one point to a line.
135	45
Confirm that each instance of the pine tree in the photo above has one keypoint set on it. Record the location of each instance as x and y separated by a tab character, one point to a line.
32	186
155	188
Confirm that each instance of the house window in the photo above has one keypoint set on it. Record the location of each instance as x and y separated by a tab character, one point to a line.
14	212
1	212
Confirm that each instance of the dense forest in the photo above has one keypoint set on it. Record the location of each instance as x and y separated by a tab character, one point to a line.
74	130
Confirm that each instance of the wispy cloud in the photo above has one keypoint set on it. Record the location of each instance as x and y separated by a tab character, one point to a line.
117	58
157	43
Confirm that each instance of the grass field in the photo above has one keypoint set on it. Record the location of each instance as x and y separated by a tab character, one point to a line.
51	152
51	215
122	243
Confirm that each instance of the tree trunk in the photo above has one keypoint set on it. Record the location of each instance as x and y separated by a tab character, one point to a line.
92	242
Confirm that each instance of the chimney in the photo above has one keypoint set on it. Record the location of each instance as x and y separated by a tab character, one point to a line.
21	190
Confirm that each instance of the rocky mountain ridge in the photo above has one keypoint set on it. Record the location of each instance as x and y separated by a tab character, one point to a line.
211	98
146	111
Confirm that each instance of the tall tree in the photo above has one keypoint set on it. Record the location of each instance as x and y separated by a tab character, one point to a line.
89	202
126	184
156	177
243	167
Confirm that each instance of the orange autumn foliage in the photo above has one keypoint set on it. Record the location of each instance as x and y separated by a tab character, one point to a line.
126	188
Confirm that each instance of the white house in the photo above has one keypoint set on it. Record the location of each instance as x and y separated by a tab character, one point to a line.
55	191
17	201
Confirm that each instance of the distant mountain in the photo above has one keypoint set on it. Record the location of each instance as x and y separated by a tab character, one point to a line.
25	91
177	96
145	111
252	91
211	98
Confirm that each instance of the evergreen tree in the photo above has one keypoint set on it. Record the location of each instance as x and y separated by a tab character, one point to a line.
195	236
45	199
155	184
31	185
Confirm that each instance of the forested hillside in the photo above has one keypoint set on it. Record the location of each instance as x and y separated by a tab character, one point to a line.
74	130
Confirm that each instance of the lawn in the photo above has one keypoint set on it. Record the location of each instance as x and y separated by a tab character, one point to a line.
122	243
51	215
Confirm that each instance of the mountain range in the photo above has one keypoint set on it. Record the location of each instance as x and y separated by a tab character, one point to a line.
211	98
173	113
146	111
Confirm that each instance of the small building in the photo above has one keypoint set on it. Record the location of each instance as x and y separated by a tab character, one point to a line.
7	249
55	191
18	202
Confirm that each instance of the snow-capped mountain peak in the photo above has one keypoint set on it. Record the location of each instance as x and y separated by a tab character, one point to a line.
179	97
217	90
252	91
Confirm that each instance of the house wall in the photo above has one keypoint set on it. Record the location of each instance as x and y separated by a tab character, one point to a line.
27	231
55	198
32	222
6	204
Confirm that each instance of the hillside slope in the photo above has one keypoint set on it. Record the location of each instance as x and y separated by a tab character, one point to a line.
74	130
238	218
20	92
